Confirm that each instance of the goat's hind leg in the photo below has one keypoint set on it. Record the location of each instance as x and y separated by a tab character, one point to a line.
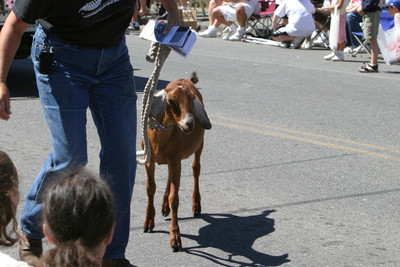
165	210
151	190
196	199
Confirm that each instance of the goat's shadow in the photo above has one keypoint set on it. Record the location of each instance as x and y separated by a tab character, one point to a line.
236	236
141	82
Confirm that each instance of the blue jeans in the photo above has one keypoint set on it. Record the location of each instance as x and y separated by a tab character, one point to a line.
101	79
353	25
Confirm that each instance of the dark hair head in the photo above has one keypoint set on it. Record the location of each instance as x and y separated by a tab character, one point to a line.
69	255
78	210
8	183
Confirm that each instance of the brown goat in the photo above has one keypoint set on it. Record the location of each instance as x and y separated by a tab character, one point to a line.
179	113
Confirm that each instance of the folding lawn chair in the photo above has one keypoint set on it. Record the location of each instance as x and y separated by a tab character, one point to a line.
386	21
322	24
260	23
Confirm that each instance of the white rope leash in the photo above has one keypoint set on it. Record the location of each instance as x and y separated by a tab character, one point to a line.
158	53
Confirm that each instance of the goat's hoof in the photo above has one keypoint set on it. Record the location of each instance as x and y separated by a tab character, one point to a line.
196	213
176	247
196	208
165	213
148	230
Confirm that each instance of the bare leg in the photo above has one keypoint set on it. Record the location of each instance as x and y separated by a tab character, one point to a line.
374	51
135	14
217	14
143	8
241	15
283	38
211	19
183	3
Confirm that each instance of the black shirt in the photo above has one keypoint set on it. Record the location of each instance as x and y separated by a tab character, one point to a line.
95	24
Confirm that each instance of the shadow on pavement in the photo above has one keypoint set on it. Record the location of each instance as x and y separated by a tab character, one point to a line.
141	83
236	236
21	79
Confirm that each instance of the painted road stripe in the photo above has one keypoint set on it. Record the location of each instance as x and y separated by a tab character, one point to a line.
284	134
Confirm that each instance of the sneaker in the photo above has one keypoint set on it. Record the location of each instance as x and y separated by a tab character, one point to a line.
29	249
237	36
339	56
284	44
209	33
232	29
133	26
330	56
297	41
348	50
307	44
116	263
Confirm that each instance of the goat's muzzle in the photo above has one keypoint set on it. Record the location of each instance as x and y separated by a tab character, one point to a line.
187	124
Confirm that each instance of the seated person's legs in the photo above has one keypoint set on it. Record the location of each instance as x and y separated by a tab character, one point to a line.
211	5
211	31
281	36
353	25
237	33
238	13
225	14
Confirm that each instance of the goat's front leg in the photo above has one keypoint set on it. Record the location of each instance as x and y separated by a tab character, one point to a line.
196	199
174	176
151	190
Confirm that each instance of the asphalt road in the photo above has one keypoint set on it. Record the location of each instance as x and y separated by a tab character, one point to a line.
301	167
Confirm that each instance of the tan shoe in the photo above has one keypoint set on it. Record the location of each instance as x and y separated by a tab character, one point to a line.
29	249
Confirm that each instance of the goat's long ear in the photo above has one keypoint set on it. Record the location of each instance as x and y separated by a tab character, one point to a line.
201	114
159	105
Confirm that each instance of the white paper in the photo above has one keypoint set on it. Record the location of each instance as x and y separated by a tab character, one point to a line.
179	39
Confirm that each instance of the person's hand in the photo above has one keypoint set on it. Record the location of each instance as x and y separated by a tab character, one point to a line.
359	10
5	110
173	20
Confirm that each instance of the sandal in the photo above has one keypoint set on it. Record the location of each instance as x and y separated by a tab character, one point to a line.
369	68
143	13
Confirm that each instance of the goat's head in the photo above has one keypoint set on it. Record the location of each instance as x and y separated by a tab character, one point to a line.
180	104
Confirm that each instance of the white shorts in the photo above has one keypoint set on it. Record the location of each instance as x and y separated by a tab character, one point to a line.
293	31
229	11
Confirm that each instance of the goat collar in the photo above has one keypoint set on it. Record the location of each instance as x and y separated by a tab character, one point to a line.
153	124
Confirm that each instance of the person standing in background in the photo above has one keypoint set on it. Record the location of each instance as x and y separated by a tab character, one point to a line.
81	61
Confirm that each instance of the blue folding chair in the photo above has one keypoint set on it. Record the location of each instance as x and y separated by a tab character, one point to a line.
386	21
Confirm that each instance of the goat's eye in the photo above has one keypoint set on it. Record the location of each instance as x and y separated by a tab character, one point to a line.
175	107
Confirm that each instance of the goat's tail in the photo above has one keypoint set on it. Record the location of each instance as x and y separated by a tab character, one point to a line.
193	77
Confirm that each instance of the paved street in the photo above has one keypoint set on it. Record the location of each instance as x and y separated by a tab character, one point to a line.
301	167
